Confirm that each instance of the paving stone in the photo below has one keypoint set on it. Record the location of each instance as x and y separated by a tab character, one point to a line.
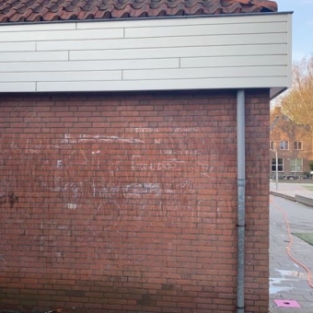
287	279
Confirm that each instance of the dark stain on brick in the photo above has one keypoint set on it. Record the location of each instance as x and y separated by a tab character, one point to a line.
167	286
75	293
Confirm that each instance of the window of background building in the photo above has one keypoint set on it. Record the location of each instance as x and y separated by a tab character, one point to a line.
272	145
284	145
280	164
297	145
296	165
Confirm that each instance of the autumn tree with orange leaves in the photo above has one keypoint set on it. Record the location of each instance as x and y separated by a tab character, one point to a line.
297	102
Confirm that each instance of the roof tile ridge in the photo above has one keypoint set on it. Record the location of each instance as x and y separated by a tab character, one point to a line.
268	4
213	9
11	13
87	15
58	4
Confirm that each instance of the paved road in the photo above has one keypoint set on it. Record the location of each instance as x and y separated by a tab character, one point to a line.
288	281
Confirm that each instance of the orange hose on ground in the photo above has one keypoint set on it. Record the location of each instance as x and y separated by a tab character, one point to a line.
288	248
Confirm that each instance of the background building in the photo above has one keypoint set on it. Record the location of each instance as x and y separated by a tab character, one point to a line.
293	144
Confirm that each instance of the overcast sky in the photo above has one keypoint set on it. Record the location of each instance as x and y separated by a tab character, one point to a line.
302	26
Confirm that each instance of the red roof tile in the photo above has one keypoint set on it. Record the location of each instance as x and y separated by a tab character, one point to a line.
48	10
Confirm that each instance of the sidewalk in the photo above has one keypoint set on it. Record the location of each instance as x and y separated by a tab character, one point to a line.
288	280
294	192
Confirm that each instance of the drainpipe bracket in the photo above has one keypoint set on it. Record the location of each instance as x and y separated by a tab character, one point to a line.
241	307
244	226
241	182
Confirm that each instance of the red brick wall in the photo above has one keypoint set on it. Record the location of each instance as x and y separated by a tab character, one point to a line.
127	202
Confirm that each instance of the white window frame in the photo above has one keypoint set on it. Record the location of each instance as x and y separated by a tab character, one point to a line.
296	165
296	144
284	143
272	145
274	164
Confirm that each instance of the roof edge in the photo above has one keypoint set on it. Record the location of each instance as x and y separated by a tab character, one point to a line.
172	17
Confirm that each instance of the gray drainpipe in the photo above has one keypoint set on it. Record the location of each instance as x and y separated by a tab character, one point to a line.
241	174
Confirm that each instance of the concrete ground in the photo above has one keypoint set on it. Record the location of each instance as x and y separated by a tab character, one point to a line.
288	280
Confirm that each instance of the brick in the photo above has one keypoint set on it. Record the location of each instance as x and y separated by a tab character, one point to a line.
141	217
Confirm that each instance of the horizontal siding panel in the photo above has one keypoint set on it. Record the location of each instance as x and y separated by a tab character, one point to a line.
33	56
219	72
238	51
289	50
88	65
168	84
17	87
252	60
164	53
36	27
252	28
164	22
164	42
61	76
61	35
16	46
144	74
